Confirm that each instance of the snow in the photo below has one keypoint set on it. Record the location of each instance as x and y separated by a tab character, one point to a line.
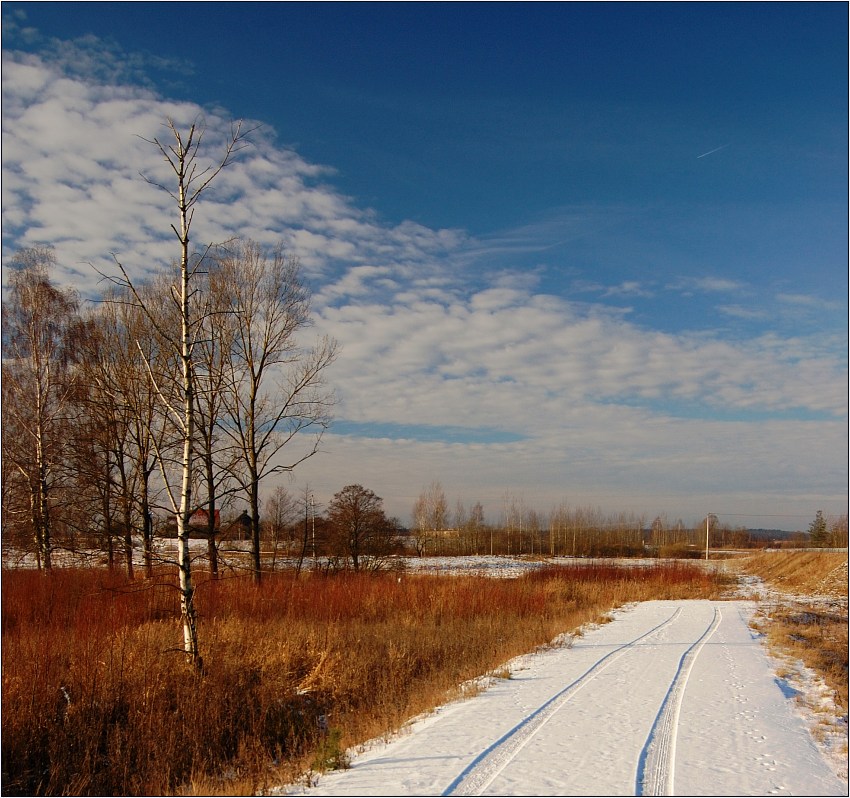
670	697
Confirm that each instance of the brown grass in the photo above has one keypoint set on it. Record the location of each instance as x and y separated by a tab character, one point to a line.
801	572
813	632
97	698
816	637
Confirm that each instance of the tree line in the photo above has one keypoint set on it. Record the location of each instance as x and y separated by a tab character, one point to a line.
437	529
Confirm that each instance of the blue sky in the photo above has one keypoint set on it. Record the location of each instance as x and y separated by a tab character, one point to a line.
583	253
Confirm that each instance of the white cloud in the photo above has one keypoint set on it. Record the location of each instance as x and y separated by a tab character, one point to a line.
809	302
708	284
628	288
530	349
743	312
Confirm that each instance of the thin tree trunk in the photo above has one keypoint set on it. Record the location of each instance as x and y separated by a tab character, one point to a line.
212	551
147	536
187	592
44	512
303	552
255	526
36	524
127	512
107	517
147	516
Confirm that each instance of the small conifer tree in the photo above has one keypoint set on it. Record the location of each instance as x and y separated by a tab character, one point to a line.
817	530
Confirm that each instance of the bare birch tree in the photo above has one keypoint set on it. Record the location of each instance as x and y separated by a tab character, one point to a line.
476	525
282	524
421	530
40	323
430	515
189	181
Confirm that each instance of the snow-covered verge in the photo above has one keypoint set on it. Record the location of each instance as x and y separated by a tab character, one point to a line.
815	703
165	552
813	699
503	566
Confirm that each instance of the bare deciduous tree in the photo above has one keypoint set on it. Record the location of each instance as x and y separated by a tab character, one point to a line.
360	530
277	390
421	533
121	350
216	454
104	417
430	514
282	518
40	324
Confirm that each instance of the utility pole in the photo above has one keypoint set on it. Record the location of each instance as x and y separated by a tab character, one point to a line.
707	524
313	513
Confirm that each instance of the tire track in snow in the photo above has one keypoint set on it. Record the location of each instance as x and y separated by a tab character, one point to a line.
657	762
481	772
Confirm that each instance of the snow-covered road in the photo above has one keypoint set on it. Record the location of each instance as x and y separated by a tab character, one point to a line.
670	698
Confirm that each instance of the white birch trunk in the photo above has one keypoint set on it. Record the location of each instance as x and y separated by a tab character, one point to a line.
184	563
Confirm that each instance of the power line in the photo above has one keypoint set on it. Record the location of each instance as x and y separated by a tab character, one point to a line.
764	515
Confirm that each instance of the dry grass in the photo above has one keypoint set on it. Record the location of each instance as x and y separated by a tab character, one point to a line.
801	572
816	637
814	632
97	698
